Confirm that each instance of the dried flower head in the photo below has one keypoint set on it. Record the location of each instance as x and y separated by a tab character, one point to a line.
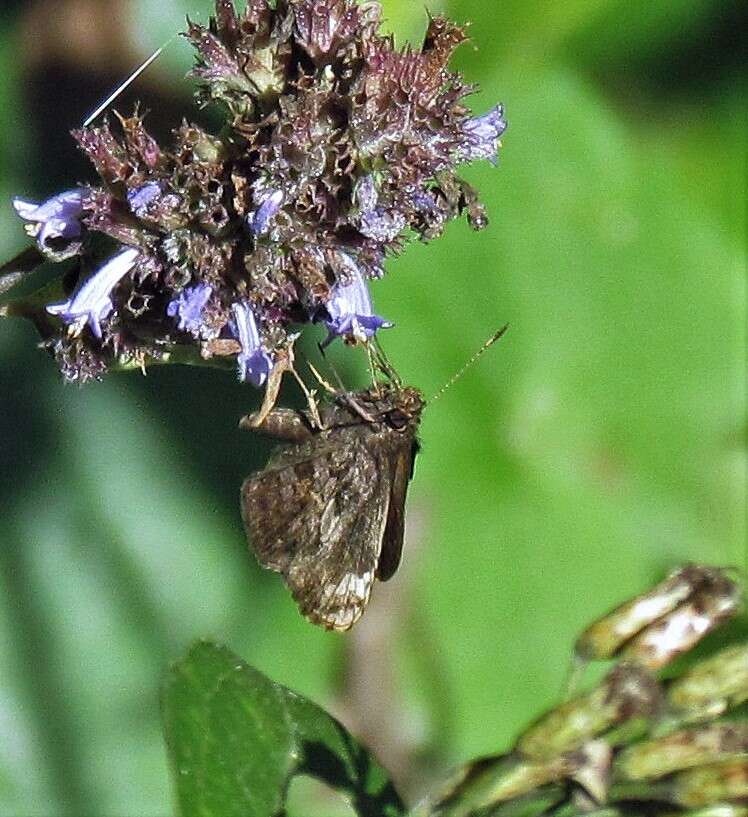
336	148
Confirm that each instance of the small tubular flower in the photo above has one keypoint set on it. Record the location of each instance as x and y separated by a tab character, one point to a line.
350	312
55	222
259	221
140	198
253	362
375	222
482	135
365	194
92	302
188	308
382	225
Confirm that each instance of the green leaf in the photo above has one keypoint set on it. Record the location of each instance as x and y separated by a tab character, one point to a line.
235	739
333	756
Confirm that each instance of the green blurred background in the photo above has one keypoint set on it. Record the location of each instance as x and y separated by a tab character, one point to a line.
601	443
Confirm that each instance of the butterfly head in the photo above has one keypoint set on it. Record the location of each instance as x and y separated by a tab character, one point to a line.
397	408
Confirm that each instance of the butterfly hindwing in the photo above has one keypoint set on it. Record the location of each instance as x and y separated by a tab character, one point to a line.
319	520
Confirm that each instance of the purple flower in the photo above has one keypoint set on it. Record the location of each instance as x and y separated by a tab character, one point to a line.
253	361
188	307
140	198
366	194
424	202
375	222
482	136
259	221
57	218
381	224
92	302
350	312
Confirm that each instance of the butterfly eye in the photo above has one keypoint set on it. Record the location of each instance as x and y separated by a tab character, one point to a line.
397	419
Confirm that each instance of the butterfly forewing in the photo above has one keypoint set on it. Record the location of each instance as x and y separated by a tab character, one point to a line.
327	511
401	467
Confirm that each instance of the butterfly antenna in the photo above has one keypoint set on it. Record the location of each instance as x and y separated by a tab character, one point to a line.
135	74
483	349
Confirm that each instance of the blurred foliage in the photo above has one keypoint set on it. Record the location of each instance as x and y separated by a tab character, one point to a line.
633	745
601	442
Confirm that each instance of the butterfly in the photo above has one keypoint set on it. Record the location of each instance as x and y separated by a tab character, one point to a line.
328	509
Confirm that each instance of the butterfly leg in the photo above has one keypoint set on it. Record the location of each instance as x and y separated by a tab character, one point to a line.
321	380
283	363
347	399
372	365
311	400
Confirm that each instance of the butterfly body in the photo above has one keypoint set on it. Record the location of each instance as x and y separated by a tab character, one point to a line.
327	511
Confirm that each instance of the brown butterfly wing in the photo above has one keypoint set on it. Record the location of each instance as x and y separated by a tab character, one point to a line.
317	514
401	469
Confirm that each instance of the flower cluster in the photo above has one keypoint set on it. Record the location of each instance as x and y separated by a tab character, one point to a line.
336	148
